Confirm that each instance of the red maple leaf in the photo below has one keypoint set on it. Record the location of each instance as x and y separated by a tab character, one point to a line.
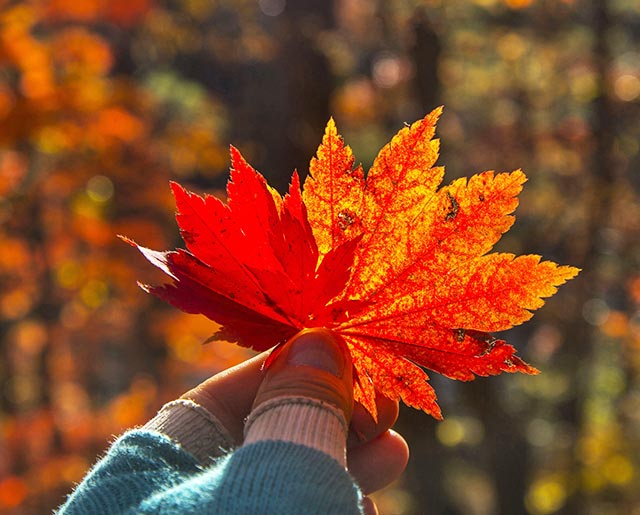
397	267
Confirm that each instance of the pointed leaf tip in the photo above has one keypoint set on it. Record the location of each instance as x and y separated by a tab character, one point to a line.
127	240
331	128
436	113
176	189
237	159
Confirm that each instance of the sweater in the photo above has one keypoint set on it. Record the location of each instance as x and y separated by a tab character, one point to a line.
182	462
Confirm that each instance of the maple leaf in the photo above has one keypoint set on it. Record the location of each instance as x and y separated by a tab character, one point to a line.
396	265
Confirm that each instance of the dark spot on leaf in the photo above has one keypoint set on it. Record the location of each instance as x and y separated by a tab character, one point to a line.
491	343
481	197
459	334
455	207
345	219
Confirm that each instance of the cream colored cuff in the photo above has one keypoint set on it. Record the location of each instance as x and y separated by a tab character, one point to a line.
300	420
194	428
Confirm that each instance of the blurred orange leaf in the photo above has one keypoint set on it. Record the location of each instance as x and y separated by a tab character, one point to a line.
13	490
123	12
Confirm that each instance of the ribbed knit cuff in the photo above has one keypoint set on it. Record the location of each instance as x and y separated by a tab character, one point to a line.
300	420
194	428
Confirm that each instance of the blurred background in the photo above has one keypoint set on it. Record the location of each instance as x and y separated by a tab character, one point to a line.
102	102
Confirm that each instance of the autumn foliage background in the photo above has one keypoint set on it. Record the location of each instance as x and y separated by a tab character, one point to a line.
103	102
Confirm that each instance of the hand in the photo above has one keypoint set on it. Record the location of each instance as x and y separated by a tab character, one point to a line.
315	363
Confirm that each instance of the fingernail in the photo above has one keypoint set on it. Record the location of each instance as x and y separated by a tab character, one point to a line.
318	351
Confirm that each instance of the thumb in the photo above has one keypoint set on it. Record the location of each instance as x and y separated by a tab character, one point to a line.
315	363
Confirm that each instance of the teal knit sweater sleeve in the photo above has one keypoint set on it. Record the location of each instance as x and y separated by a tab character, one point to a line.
144	472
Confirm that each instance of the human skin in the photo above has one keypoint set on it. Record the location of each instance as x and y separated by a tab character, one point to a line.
376	455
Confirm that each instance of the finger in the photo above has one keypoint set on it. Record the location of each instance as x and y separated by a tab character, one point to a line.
229	395
377	463
369	507
315	363
363	428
